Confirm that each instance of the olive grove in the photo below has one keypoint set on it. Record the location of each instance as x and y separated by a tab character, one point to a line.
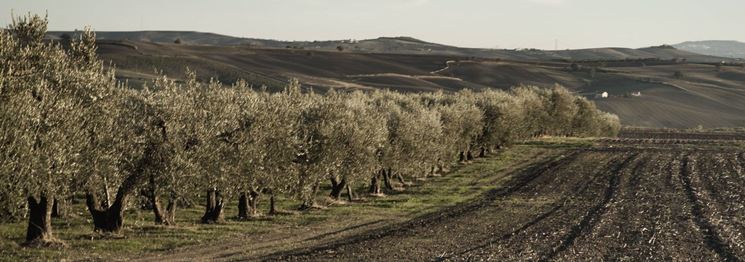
69	129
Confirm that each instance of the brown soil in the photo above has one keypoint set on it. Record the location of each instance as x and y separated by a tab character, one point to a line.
668	203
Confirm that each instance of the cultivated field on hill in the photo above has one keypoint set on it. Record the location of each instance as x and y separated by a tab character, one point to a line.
672	94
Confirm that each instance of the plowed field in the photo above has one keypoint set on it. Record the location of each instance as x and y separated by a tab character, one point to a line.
624	199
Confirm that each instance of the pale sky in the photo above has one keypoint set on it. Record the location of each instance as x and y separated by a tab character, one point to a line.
467	23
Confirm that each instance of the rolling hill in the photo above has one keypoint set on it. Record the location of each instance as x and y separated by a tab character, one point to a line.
722	48
400	45
702	94
674	88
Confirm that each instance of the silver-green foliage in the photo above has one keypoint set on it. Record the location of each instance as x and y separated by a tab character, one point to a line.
66	125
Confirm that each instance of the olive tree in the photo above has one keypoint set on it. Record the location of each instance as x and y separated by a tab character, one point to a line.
561	110
357	137
312	144
42	93
503	116
268	150
50	96
462	123
534	104
414	134
126	142
203	126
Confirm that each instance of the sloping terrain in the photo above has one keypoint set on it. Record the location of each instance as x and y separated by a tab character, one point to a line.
668	93
400	45
721	48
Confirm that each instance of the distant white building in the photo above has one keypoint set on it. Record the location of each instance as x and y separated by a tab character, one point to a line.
604	94
638	93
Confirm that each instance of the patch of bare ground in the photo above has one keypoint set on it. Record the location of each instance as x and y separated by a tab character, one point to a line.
352	226
666	202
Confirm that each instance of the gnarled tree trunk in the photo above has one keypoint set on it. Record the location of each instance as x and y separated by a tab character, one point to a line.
106	219
163	216
350	194
39	220
253	202
109	218
401	179
272	205
387	178
213	208
337	187
244	207
310	200
375	183
58	208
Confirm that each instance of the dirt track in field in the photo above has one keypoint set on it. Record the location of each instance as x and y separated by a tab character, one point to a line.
604	203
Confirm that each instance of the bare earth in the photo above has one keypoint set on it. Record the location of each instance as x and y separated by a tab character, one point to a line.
652	201
669	197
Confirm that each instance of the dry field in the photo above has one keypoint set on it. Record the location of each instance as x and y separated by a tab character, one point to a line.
659	198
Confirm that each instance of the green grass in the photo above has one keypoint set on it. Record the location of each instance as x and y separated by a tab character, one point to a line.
562	142
141	236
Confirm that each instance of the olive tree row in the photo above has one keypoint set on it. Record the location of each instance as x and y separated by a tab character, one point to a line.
67	127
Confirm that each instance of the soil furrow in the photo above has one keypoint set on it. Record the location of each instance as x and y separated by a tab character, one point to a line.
711	237
591	218
661	202
521	178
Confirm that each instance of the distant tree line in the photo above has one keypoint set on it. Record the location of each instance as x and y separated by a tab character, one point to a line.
627	62
68	128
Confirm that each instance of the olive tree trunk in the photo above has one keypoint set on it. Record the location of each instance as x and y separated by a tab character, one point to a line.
109	219
375	183
58	208
253	202
163	216
350	193
401	179
387	178
309	201
247	203
337	187
106	219
243	207
39	219
213	208
272	205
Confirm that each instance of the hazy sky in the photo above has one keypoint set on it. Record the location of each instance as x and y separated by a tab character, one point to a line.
470	23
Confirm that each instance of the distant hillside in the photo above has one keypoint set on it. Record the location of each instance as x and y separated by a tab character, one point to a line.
670	93
402	45
653	87
722	48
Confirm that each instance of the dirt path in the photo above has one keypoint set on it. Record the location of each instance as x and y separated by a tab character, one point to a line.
593	205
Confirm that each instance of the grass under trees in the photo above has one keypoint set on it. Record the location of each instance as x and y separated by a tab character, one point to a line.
140	236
